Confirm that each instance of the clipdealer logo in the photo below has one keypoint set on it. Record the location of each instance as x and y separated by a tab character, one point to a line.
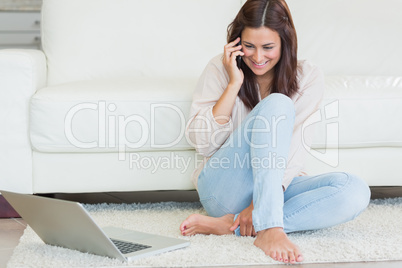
111	132
112	128
330	154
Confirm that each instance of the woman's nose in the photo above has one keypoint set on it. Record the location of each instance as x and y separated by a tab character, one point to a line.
258	56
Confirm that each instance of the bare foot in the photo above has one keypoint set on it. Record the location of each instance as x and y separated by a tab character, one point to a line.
275	243
200	224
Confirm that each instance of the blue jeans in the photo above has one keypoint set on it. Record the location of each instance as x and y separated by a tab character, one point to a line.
250	166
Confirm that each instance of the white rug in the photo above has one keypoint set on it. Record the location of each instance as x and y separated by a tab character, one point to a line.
375	235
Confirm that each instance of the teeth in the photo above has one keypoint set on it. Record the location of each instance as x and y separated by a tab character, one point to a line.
260	64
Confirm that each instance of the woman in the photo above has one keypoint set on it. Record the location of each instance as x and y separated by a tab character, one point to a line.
252	180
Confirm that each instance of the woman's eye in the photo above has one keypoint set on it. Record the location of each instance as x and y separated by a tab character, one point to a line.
248	46
268	48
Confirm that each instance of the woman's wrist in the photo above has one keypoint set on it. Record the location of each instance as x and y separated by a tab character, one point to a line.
234	86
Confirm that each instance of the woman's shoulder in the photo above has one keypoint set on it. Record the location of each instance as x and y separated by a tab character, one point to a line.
308	72
216	68
214	78
216	62
306	67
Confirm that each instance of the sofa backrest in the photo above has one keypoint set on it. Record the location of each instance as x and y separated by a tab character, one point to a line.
87	39
90	39
350	37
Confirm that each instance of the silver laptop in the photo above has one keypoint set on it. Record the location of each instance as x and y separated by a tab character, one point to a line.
68	224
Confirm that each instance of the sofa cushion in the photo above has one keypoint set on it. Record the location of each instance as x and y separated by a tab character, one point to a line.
92	39
111	116
360	112
149	115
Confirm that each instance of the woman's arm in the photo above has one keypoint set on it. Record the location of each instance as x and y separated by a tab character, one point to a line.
222	110
213	101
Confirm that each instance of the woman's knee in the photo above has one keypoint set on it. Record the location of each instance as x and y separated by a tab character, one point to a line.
277	102
356	192
275	112
218	208
213	207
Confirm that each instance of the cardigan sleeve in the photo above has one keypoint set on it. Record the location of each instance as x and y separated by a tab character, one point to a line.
202	130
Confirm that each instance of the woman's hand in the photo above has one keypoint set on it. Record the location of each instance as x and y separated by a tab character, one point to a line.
231	51
245	220
223	108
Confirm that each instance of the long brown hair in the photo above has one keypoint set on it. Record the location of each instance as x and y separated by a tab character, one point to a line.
275	15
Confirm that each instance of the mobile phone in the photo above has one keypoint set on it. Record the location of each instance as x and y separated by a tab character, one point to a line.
238	58
238	61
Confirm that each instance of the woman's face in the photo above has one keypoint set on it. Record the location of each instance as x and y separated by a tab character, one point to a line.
262	49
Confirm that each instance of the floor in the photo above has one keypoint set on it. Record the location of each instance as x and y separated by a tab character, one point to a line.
12	229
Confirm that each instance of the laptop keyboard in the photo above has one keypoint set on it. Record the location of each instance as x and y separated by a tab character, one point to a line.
128	247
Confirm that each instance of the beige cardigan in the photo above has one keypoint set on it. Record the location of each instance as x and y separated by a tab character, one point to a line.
210	87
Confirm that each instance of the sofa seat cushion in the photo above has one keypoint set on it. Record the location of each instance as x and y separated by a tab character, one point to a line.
360	112
149	115
111	116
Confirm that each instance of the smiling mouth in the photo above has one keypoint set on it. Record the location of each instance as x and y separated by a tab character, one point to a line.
260	64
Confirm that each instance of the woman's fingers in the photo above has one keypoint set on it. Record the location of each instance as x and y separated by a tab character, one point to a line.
231	47
230	56
243	229
246	228
234	55
233	43
250	230
254	233
235	224
236	76
243	226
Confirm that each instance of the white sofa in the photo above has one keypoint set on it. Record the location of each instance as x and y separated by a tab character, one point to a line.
103	108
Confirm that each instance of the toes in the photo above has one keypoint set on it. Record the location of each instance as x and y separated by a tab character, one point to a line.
183	225
299	258
191	220
298	255
285	257
278	256
292	258
190	231
273	255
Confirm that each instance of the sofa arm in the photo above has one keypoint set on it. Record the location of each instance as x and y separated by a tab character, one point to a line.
22	72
